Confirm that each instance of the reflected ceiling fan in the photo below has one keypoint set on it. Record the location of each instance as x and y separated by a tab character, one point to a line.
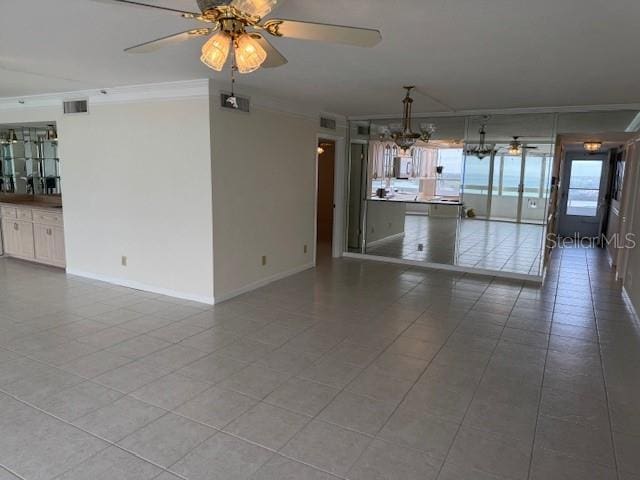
515	147
239	25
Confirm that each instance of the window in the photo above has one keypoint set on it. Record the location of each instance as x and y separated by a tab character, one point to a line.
584	188
450	159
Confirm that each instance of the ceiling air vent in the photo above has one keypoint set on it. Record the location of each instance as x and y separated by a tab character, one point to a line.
76	106
234	102
328	123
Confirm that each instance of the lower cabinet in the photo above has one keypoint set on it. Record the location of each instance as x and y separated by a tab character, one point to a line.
40	240
18	238
49	244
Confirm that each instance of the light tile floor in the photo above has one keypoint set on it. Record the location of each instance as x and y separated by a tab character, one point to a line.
491	245
355	370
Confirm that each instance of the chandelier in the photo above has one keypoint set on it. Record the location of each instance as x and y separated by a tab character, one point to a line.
481	150
405	138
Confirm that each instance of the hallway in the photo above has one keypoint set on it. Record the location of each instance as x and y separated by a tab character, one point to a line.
354	370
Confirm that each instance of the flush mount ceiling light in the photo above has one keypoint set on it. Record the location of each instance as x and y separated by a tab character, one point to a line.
481	150
592	147
404	137
516	146
237	26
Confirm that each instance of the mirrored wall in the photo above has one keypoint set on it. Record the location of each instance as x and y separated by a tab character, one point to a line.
475	195
29	162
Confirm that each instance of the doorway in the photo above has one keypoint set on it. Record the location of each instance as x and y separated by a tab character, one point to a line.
582	201
325	199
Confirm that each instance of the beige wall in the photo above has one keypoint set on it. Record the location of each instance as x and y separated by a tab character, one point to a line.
137	182
632	213
264	174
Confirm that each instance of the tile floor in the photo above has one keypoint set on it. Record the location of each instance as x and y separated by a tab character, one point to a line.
498	246
355	370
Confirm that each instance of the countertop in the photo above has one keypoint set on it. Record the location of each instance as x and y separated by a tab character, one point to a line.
22	202
415	199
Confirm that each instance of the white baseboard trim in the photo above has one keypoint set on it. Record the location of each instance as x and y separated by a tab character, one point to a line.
452	268
385	239
262	282
142	286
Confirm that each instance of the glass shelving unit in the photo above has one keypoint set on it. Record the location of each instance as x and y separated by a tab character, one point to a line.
29	162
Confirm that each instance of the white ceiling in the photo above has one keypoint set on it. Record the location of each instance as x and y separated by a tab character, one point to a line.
467	54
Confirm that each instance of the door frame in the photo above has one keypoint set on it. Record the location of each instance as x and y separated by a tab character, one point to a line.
339	195
566	185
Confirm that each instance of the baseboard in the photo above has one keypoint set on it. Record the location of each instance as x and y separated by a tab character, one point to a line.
452	268
262	283
141	286
385	239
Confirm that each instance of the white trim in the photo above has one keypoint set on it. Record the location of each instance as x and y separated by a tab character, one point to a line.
629	301
263	282
123	94
141	286
510	111
451	268
390	237
634	126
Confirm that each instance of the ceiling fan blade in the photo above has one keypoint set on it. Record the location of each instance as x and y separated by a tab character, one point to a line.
259	8
159	43
361	37
274	57
131	3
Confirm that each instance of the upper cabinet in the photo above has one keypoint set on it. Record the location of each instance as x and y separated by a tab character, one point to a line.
29	162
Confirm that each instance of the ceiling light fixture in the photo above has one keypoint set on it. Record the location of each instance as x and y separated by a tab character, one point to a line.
481	150
515	147
320	150
216	50
592	147
405	138
249	54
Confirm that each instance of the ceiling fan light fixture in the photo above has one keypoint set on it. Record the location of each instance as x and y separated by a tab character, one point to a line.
216	50
259	8
249	54
592	147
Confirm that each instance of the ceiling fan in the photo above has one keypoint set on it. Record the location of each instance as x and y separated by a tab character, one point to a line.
239	24
515	147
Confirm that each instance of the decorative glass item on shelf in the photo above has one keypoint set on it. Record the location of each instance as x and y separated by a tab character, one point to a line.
29	160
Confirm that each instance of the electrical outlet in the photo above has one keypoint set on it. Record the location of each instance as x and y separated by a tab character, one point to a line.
123	261
305	248
264	260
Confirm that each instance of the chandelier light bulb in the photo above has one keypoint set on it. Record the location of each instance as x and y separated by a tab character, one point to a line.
216	50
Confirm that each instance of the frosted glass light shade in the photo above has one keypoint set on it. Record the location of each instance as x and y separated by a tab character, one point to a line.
216	50
259	8
249	54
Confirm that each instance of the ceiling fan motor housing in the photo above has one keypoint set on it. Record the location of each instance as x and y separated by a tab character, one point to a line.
206	5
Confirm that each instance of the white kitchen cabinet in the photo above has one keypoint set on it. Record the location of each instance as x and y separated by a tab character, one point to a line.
18	238
49	244
33	234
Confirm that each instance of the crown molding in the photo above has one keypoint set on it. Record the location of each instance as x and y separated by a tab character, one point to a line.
279	105
123	94
504	111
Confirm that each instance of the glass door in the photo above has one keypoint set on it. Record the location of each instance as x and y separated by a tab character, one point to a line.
506	191
535	184
582	197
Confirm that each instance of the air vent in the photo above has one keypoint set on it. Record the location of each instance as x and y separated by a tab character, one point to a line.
328	123
76	106
362	130
240	104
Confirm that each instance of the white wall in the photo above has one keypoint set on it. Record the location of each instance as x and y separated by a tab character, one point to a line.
631	191
264	190
136	180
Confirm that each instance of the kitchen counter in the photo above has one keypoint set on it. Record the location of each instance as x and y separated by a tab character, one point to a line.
30	202
415	199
